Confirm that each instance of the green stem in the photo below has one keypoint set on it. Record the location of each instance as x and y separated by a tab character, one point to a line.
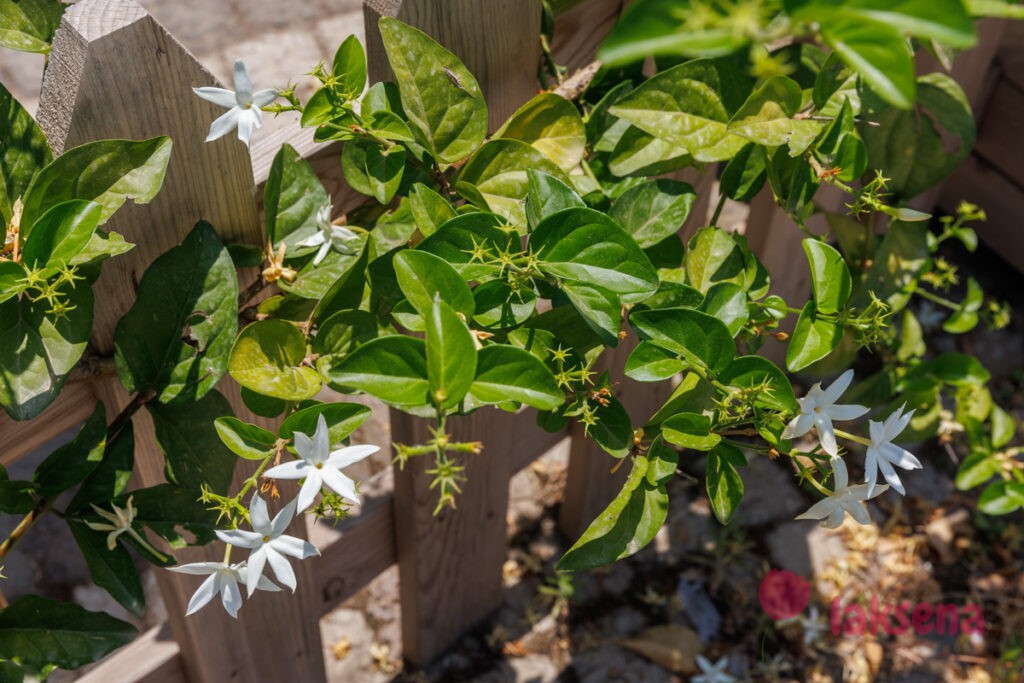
718	209
935	298
809	478
40	509
852	437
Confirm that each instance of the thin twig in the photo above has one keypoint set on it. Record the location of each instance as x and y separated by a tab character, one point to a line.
577	84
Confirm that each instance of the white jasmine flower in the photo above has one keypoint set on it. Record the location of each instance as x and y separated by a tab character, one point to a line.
882	454
328	235
224	579
818	408
269	544
844	498
713	673
813	626
120	522
243	105
320	466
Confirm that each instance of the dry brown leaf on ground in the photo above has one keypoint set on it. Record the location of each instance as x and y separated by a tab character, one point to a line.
673	647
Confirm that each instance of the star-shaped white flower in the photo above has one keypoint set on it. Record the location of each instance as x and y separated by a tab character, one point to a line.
120	521
321	466
713	673
813	626
882	454
818	408
269	544
844	498
328	235
224	579
244	106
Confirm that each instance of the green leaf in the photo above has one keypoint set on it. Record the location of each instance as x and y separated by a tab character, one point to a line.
552	125
292	197
38	350
261	405
498	171
317	281
724	485
830	276
813	339
111	476
245	440
958	369
899	260
628	524
343	331
430	209
1001	498
945	21
744	175
268	358
342	419
107	172
103	245
506	373
586	246
727	302
393	368
875	50
690	430
112	570
965	317
40	632
713	256
600	309
451	355
176	337
187	435
766	118
640	154
976	469
456	240
16	496
373	170
23	150
61	234
1004	427
547	195
170	511
663	462
349	69
689	105
499	306
613	430
74	461
439	95
346	294
746	372
691	396
652	211
700	339
651	363
656	27
29	25
423	277
918	148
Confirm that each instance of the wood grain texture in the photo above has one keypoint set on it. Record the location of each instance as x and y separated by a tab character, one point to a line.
73	407
580	29
154	657
115	73
497	40
277	635
1003	123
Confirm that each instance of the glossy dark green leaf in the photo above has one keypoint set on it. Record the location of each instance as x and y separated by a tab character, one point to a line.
767	117
372	169
456	241
754	372
877	52
61	234
830	276
959	369
245	440
586	246
112	570
898	261
342	419
29	25
690	430
723	482
713	256
23	151
264	406
349	68
691	396
343	331
107	172
430	209
547	195
652	211
74	461
727	302
628	524
440	96
176	337
424	276
268	358
174	513
744	174
393	368
506	373
813	338
111	476
613	430
292	197
651	363
188	438
663	460
699	338
451	355
552	125
16	496
637	153
38	349
498	306
600	309
40	632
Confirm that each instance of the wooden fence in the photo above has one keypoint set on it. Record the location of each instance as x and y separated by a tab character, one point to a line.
115	72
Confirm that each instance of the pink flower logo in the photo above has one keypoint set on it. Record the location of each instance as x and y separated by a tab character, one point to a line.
783	594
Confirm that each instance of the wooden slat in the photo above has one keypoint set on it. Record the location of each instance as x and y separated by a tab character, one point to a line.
498	41
115	73
154	657
74	405
1000	129
580	29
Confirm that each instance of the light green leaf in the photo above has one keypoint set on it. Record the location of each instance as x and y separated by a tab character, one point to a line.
423	277
875	50
456	241
292	197
349	68
713	256
29	25
976	469
176	337
750	372
727	302
61	234
451	355
552	125
652	211
342	419
506	373
699	338
319	281
813	339
23	149
690	430
547	195
430	209
245	440
651	363
268	358
439	95
640	154
830	276
373	170
965	317
945	21
393	368
767	117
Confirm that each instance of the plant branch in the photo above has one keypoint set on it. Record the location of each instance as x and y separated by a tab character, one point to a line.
138	400
40	509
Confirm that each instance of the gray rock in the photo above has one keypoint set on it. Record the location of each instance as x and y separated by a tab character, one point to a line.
770	494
